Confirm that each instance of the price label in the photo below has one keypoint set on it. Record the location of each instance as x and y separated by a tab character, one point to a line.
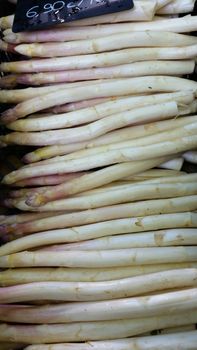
35	14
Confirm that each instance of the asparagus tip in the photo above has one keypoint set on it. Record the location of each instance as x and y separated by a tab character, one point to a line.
35	200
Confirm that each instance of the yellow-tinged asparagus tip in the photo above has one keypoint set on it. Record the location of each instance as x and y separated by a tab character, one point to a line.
10	37
35	200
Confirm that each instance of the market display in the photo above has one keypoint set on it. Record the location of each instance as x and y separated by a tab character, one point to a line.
99	234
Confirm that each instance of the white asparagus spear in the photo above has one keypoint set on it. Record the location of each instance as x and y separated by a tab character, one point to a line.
155	173
62	274
189	129
183	341
178	25
85	331
20	95
103	89
92	291
106	59
100	258
134	69
122	194
94	180
123	134
117	185
160	111
159	304
108	43
161	238
122	155
119	211
102	229
99	111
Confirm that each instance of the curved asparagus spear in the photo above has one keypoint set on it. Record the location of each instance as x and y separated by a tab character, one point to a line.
12	277
102	229
92	291
99	111
160	304
101	89
84	331
184	340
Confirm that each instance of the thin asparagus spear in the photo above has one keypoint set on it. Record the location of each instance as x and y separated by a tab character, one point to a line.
62	274
160	304
160	111
106	59
183	341
20	95
102	229
189	129
119	211
91	181
120	195
128	133
122	155
92	330
102	89
161	238
99	111
123	71
92	291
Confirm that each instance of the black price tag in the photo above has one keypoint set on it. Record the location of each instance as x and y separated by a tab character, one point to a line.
35	14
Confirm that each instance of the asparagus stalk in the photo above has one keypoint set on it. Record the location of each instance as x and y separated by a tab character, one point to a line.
102	229
156	305
184	341
122	71
125	194
97	112
128	133
161	238
160	111
85	331
119	211
122	155
106	59
12	277
92	291
189	129
102	89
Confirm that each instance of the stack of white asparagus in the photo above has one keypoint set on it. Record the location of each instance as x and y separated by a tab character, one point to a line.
103	254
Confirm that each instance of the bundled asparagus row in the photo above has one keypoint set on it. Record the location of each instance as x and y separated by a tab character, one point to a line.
101	252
